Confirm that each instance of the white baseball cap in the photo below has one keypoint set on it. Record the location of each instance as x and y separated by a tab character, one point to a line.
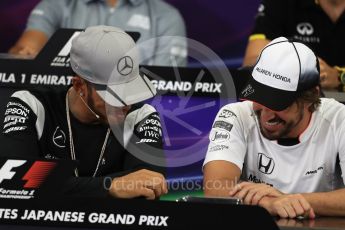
282	72
108	57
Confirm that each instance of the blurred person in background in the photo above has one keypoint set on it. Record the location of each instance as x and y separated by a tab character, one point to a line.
151	19
320	24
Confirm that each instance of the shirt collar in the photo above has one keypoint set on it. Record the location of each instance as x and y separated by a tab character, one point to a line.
133	2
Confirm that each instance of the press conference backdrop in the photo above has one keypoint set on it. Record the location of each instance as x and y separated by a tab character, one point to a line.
187	101
222	25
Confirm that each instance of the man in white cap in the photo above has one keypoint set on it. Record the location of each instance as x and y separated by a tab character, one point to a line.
97	122
284	143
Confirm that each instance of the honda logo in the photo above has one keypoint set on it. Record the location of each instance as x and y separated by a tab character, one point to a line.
305	28
265	164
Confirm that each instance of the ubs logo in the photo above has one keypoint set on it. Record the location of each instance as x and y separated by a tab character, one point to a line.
305	28
265	164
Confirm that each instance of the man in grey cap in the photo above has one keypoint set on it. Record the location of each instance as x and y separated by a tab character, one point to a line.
284	143
98	121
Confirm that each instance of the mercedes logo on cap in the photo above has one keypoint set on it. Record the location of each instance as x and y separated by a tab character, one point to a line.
59	138
125	65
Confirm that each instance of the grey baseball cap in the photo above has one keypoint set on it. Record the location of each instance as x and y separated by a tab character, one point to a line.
108	57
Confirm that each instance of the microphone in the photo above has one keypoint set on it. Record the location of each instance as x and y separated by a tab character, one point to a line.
96	115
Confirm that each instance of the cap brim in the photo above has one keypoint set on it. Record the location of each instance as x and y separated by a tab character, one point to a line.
128	93
272	98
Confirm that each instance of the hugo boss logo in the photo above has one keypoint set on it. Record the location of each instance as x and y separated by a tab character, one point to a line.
265	164
125	65
305	28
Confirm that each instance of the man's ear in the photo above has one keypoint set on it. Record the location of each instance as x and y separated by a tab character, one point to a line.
318	89
79	85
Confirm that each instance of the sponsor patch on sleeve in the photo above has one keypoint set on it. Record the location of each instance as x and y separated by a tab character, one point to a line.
149	129
218	148
226	114
223	125
16	117
219	136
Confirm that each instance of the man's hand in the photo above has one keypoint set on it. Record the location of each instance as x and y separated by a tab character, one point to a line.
288	206
252	193
329	76
146	183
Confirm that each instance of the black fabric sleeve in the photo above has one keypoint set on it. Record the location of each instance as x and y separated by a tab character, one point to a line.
18	137
271	19
146	147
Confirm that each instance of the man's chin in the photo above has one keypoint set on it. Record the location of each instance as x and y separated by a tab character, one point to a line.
270	135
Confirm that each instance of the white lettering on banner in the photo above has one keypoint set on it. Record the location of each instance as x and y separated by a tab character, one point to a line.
8	213
39	79
102	218
153	220
80	217
172	85
204	87
53	216
7	78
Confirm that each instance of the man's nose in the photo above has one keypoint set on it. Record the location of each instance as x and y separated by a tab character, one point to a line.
264	110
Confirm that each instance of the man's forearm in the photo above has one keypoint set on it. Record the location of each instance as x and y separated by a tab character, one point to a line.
327	203
219	187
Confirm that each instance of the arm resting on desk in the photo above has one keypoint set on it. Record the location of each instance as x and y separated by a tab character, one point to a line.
327	203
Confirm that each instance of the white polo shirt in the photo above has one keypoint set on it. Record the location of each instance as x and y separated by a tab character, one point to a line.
313	165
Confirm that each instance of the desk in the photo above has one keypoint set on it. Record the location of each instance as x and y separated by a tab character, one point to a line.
321	223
